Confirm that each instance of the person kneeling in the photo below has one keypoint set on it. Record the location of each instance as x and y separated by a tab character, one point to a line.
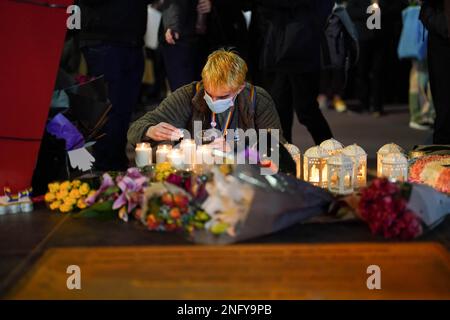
223	101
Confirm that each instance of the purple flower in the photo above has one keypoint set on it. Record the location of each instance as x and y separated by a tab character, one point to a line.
107	182
132	186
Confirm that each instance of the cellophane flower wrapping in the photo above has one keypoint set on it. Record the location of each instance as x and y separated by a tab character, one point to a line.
257	205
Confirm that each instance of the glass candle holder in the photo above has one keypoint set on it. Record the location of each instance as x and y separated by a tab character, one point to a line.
162	152
176	159
188	148
143	155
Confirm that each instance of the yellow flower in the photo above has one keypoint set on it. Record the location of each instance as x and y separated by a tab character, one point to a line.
60	195
66	185
91	193
65	207
75	194
49	197
76	183
70	201
53	187
162	171
55	205
84	189
81	204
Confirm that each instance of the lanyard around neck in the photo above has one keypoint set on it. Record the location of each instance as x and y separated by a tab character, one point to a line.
227	123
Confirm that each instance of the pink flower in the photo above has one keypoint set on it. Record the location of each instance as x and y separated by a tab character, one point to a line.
107	182
384	209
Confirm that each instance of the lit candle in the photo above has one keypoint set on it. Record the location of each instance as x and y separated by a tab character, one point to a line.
162	153
175	158
143	154
189	149
315	175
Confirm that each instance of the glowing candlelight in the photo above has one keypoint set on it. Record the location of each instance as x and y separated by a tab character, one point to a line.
162	152
175	157
143	154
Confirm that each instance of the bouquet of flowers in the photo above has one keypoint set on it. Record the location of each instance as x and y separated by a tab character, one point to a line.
68	196
123	193
167	207
399	210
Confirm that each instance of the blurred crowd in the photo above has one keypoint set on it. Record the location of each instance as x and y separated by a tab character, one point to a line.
308	54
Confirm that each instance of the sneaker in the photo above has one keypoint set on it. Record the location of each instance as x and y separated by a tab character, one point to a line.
419	126
339	105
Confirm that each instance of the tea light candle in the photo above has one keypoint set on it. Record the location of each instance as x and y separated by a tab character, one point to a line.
162	152
143	154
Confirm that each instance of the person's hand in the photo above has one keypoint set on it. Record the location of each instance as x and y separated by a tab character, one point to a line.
204	6
171	36
163	131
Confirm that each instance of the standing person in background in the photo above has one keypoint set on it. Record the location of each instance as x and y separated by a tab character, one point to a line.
435	15
191	29
111	40
227	27
420	102
374	46
182	38
290	59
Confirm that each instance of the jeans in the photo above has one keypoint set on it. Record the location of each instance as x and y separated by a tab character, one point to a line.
123	69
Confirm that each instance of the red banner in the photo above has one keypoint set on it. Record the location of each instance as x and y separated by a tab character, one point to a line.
32	35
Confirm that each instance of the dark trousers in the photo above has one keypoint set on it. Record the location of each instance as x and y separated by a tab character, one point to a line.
298	92
370	72
183	63
123	69
439	70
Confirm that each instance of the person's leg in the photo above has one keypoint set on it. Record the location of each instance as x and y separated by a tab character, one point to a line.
363	76
305	87
181	62
414	107
122	69
439	70
281	92
378	62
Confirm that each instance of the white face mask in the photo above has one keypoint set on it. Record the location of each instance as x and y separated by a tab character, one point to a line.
219	106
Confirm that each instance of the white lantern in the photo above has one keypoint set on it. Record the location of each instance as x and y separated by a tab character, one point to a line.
383	151
315	166
395	166
340	174
332	146
296	156
359	158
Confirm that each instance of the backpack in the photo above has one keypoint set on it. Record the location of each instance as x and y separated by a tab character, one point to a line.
340	47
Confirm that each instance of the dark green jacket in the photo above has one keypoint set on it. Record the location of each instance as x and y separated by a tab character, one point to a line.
186	105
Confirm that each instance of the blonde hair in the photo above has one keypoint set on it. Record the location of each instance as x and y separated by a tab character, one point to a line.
224	68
